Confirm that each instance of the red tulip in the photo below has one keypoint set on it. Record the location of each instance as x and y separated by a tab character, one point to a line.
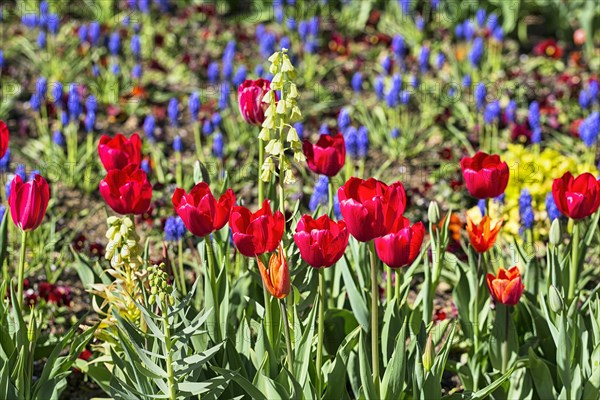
369	206
578	197
3	138
277	278
506	287
118	152
327	156
28	202
256	233
321	242
250	100
402	245
127	190
201	213
485	175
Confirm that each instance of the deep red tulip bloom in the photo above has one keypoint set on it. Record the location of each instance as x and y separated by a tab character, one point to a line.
119	152
321	242
576	198
369	206
402	245
250	100
201	213
28	202
506	287
327	156
256	233
3	138
127	190
485	175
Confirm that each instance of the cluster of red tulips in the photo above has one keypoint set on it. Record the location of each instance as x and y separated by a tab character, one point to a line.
125	188
487	177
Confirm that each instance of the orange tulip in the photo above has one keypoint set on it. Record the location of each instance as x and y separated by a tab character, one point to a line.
277	278
506	287
482	236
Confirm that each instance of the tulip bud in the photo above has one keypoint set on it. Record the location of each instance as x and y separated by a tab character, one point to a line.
433	213
556	301
277	278
555	233
32	328
429	354
28	201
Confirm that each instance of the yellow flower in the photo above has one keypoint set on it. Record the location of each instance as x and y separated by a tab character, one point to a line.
534	171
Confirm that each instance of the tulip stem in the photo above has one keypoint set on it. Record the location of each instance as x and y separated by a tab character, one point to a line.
320	330
198	140
178	169
505	342
181	271
398	273
476	308
330	188
288	339
261	184
388	288
374	318
213	285
21	272
282	185
267	317
573	271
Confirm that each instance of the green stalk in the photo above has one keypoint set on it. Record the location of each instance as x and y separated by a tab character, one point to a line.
329	274
198	140
281	185
213	285
288	340
388	288
178	169
427	306
573	271
348	167
505	342
156	155
361	168
261	160
398	273
534	278
168	348
71	144
330	190
181	271
90	152
21	272
268	317
374	318
476	311
320	331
